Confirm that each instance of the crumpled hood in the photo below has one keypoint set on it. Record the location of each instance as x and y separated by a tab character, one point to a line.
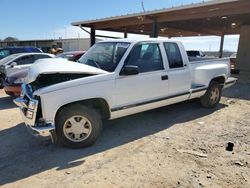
57	66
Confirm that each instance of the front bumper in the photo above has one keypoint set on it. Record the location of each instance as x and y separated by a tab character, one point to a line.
29	107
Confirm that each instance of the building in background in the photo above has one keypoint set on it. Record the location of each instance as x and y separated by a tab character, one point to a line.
67	45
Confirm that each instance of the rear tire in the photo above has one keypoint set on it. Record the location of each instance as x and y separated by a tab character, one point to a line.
78	126
1	82
212	96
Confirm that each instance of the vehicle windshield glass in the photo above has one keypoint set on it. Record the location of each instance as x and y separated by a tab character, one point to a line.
8	59
105	55
4	53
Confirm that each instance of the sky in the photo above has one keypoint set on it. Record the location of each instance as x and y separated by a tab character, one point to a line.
50	19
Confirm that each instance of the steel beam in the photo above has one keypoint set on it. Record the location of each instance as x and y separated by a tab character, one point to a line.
154	32
125	34
221	46
92	36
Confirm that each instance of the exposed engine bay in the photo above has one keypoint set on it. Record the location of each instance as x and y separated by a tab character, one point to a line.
44	80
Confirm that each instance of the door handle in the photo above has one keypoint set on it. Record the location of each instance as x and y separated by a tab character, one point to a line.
165	77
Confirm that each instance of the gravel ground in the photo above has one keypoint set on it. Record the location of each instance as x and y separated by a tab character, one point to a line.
182	145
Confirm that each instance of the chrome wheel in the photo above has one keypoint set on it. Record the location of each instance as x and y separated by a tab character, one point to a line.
77	128
215	95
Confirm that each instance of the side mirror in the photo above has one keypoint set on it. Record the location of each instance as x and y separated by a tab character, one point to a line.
13	64
129	70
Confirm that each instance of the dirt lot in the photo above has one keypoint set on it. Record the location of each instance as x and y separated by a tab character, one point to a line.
182	145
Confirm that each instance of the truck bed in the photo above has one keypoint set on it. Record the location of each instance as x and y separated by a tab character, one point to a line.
203	71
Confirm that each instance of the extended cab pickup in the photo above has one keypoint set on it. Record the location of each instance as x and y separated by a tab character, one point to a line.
114	79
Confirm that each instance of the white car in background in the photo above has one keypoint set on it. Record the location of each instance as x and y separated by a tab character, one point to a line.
15	67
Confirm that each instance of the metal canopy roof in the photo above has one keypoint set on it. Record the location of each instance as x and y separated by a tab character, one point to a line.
210	18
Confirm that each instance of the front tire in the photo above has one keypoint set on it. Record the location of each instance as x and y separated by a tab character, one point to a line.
12	94
212	96
78	126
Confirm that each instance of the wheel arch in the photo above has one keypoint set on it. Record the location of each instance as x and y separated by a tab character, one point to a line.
99	104
219	79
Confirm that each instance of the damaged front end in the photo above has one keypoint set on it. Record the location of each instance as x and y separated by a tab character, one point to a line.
43	74
44	80
30	108
30	105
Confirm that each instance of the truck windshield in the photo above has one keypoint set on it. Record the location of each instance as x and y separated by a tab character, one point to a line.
105	55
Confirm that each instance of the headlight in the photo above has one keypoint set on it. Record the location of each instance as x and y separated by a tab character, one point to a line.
32	105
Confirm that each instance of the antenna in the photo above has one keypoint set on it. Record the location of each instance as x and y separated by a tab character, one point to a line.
142	4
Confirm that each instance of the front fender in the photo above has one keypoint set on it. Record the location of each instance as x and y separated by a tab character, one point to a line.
51	102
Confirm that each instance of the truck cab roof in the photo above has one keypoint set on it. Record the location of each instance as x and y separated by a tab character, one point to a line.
133	40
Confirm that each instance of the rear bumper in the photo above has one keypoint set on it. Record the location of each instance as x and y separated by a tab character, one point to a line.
28	107
230	81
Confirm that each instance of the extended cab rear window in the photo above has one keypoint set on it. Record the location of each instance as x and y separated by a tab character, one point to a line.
173	54
146	56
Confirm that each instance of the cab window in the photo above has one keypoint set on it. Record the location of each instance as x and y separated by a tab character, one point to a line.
173	55
146	56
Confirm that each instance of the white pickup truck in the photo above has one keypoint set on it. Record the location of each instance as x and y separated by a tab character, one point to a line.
115	79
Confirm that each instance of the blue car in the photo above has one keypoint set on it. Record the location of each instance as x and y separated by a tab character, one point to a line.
4	52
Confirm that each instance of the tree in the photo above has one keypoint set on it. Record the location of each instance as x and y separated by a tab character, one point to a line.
9	39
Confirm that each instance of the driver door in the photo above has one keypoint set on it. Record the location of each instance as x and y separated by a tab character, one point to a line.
146	87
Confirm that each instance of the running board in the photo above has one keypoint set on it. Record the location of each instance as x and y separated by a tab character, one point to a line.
195	89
